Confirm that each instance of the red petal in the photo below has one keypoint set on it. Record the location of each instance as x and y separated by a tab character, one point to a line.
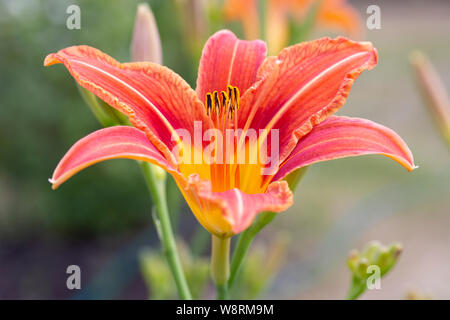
230	212
266	68
156	100
340	137
228	60
104	144
305	84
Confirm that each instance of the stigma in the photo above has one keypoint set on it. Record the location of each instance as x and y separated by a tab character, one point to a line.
223	104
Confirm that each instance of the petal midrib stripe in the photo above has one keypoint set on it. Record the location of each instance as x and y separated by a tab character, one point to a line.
230	72
155	109
305	87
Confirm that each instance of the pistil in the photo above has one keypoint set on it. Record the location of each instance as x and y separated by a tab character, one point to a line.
222	107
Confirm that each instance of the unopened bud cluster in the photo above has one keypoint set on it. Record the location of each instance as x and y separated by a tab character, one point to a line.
374	253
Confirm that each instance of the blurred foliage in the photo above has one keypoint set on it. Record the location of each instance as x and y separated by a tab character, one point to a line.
260	267
159	280
42	115
259	270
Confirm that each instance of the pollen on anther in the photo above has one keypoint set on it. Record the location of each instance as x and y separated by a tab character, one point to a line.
224	99
208	103
216	102
225	102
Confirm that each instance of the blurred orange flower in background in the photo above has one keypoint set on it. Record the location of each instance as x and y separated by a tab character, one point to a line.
336	15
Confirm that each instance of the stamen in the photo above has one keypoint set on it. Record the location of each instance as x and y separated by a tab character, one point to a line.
222	107
216	102
230	112
236	97
208	103
226	104
224	99
231	94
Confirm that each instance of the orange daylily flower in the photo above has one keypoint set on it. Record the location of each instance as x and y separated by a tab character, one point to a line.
331	14
247	13
292	95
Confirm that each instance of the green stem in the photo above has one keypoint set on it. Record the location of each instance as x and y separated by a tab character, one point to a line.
242	246
246	237
220	265
356	289
244	242
222	291
156	185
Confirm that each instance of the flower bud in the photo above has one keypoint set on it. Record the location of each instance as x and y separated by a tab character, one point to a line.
146	46
105	114
146	43
416	295
295	176
374	254
433	90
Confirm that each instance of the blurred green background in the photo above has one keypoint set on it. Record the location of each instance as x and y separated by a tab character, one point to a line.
101	219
